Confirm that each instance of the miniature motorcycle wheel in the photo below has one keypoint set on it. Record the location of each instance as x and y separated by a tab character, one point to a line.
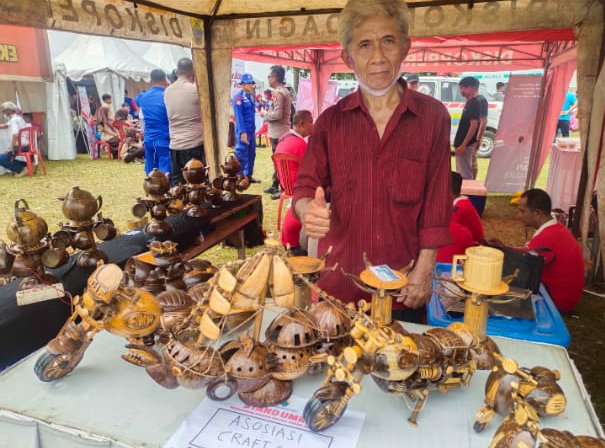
321	414
51	367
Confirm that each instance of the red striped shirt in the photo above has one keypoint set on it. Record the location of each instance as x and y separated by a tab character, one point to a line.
389	197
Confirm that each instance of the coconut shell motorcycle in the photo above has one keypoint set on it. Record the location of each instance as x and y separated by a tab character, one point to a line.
106	304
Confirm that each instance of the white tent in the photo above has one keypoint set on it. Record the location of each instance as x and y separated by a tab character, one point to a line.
166	56
109	61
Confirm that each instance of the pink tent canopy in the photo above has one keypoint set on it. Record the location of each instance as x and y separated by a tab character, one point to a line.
508	51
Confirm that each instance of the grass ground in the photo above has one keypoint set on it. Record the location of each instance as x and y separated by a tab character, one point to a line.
120	184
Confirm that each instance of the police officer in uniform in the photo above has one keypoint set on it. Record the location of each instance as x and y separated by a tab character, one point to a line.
244	111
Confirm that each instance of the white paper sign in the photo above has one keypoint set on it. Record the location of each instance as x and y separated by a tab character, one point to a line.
233	424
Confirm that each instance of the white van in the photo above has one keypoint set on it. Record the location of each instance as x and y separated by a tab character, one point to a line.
447	91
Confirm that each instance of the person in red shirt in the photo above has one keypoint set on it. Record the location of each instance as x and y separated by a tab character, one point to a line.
294	142
465	212
462	239
563	272
381	158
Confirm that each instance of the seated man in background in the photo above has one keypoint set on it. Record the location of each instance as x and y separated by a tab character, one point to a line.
294	142
465	225
7	155
563	272
465	212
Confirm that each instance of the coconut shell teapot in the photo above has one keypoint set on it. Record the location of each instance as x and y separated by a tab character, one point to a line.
156	184
195	172
79	206
27	230
232	166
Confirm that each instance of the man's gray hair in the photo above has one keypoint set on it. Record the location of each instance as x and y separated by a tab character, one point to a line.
9	105
356	11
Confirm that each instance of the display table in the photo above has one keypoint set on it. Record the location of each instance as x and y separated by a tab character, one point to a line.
108	402
25	329
548	326
564	172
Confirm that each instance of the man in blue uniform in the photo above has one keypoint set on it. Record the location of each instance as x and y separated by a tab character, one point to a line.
157	134
244	111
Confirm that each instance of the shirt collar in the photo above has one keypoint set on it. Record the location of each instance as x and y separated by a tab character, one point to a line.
408	100
552	222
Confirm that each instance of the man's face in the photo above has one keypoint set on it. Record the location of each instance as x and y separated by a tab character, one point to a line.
107	101
376	51
248	88
468	91
272	81
527	216
306	127
413	85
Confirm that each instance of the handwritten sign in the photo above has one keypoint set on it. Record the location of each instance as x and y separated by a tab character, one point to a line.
232	424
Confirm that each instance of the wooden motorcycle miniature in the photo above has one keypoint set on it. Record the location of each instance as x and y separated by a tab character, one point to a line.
399	362
520	430
536	387
106	304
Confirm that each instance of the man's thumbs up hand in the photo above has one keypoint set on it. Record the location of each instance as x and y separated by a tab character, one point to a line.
316	219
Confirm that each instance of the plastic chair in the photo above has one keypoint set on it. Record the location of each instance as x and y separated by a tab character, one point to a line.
263	131
121	127
283	165
98	144
31	149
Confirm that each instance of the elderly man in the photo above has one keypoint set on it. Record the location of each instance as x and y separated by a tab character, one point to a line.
15	123
380	157
185	121
157	134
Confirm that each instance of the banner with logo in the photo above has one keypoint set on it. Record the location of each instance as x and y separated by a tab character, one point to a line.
507	172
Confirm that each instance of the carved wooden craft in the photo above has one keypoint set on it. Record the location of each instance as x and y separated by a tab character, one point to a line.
79	207
537	388
158	202
231	182
520	429
29	250
105	305
196	188
399	362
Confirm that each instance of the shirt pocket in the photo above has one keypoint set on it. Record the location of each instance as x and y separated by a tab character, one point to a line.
407	181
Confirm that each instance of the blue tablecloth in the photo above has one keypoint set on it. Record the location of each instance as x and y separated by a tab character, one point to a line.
548	326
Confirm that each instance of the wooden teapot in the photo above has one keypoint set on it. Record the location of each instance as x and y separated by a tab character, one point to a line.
26	229
80	205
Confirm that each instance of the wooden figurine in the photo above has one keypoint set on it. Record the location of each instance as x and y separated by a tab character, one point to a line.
157	201
231	182
197	187
105	305
520	429
536	387
30	248
79	207
399	362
